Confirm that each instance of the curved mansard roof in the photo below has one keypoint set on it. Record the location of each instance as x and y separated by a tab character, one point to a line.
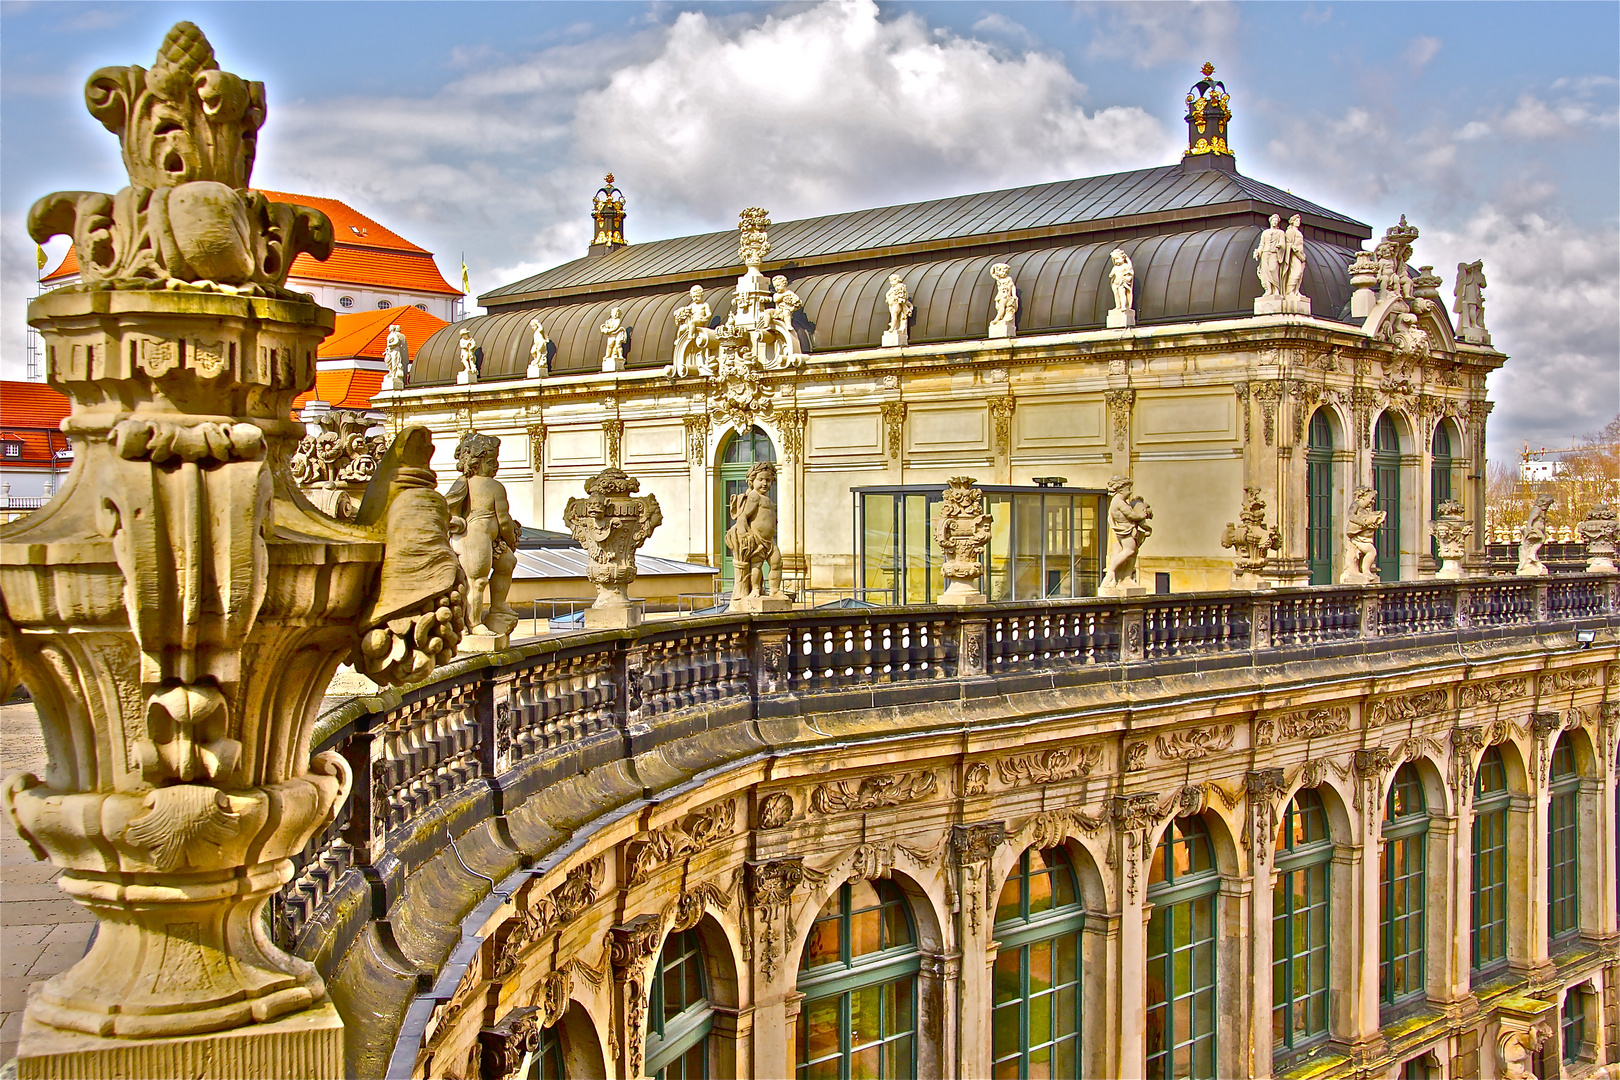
1180	277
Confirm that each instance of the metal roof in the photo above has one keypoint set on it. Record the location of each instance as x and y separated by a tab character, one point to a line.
533	563
1113	201
1180	277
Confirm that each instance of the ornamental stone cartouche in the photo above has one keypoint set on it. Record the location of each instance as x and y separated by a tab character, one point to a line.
178	609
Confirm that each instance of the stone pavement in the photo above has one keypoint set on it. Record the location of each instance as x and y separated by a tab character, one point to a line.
42	932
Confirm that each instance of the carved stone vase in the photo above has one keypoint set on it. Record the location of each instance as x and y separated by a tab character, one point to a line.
962	529
612	522
1451	532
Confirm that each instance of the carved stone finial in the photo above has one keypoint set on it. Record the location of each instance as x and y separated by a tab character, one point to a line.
188	132
1361	526
1533	536
1600	532
1128	517
612	521
1004	320
962	529
1252	540
335	463
1451	531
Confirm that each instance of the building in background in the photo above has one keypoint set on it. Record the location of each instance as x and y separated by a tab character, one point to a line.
34	453
349	367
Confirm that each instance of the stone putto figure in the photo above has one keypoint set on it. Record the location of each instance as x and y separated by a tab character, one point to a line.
784	302
1600	532
1122	280
900	310
1128	517
612	522
1253	540
962	529
396	359
1532	535
1361	537
1004	323
617	337
539	350
1470	303
467	354
752	542
695	342
485	536
1451	531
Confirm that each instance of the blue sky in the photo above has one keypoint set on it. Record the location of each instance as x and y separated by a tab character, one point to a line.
484	128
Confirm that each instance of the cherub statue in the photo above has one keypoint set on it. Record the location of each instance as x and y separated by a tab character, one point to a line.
752	536
539	350
784	302
1532	535
900	311
396	359
1004	323
617	337
1361	537
1122	280
467	352
485	536
695	341
1128	517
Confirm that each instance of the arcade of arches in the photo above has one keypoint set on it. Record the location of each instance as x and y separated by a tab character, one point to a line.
1367	876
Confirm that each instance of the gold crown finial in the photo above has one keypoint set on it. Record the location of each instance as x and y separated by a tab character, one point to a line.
1208	69
608	180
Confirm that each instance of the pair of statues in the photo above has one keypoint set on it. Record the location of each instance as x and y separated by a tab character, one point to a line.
1280	256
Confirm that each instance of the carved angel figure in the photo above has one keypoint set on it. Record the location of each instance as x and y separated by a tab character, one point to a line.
1122	280
1532	535
611	522
1361	537
1128	517
695	341
485	535
187	219
539	350
752	535
1004	322
396	358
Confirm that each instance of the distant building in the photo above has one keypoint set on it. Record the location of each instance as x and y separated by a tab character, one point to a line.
34	454
349	366
371	267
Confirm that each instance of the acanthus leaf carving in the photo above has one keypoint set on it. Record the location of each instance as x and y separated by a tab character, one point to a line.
872	792
691	834
1191	744
1049	766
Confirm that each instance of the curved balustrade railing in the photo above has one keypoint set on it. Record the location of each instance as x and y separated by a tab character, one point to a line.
490	731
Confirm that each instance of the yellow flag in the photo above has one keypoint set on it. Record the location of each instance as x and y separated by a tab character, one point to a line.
466	286
39	256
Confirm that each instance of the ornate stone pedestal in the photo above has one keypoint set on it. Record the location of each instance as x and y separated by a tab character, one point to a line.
307	1045
1121	320
612	521
613	617
1282	305
760	604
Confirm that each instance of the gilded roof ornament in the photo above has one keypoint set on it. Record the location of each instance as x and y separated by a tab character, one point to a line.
1209	109
607	211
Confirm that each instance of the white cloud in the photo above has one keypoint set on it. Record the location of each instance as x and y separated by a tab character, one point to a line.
1474	129
1154	32
834	106
1535	118
1420	51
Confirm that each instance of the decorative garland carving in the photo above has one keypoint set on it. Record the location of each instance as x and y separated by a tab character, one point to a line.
873	792
791	423
1001	414
894	426
614	431
690	835
1191	744
1313	723
1566	679
537	448
1401	708
552	912
1268	394
1264	786
1048	767
697	438
1119	413
1493	692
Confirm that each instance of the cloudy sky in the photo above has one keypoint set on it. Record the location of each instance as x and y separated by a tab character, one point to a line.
484	128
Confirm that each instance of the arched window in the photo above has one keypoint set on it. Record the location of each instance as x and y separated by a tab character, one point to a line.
1301	920
1386	469
1403	868
1319	498
1490	844
858	976
1035	1015
679	1015
546	1060
1439	476
1563	843
1182	883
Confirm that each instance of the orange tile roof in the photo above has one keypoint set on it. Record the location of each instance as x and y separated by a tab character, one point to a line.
346	388
365	333
370	253
31	413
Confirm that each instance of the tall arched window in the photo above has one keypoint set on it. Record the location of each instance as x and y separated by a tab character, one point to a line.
1301	920
1403	868
1386	469
858	976
1035	1014
1182	883
739	455
1319	498
1439	476
1490	844
1563	843
679	1015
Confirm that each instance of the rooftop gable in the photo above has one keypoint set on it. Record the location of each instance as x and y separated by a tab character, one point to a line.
365	334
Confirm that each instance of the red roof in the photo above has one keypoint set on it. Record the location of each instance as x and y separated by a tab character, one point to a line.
31	413
365	253
346	388
365	333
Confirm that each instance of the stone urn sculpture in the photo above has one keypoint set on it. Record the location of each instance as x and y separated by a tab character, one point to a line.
612	522
179	607
1252	541
1599	532
962	529
1451	532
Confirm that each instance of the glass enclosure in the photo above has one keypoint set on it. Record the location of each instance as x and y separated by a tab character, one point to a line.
1044	542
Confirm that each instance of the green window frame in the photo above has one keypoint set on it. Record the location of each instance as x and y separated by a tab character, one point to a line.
1036	994
1301	925
1489	898
1181	1006
1563	843
858	975
1319	498
1440	463
1572	1026
679	1015
546	1059
1386	470
1403	870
